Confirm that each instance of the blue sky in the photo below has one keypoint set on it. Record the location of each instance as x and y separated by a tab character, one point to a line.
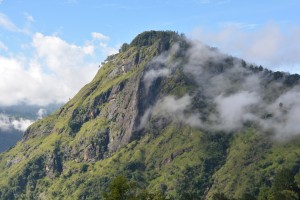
50	49
75	20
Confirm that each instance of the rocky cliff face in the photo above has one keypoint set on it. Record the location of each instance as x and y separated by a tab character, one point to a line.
158	112
116	96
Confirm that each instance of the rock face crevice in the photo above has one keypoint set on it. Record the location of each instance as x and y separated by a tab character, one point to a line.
121	104
122	111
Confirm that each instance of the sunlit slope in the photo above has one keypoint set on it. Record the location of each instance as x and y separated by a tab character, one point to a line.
174	116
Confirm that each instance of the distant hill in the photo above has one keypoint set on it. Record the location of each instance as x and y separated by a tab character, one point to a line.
165	118
9	139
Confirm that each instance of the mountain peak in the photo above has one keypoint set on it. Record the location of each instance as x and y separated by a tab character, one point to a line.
164	39
157	112
147	38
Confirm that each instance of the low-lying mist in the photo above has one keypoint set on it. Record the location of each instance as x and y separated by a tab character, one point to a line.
8	123
19	117
236	94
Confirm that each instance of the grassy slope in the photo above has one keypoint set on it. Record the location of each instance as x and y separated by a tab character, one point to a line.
252	161
182	158
15	163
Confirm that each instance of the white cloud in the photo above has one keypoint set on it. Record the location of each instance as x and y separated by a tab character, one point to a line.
161	66
269	46
3	46
21	124
55	72
4	122
29	17
177	108
107	49
103	43
57	53
285	115
153	74
100	36
8	123
72	1
88	49
221	2
41	113
216	2
205	1
170	104
7	24
145	118
234	109
238	25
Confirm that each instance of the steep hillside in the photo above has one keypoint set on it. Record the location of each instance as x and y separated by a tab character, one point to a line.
177	117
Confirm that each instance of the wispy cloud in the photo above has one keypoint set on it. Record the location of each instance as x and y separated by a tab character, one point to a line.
41	113
7	24
216	2
229	96
29	17
221	2
72	1
176	108
8	123
234	109
3	46
205	1
108	50
100	36
117	6
238	25
269	45
101	41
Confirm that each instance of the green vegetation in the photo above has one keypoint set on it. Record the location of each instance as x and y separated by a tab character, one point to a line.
96	147
122	189
283	187
148	38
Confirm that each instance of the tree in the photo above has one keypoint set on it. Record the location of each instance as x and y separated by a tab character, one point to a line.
283	187
263	193
284	180
120	189
124	47
145	195
248	196
219	196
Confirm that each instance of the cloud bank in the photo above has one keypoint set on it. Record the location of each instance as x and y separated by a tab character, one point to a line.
52	74
233	110
8	123
235	95
177	108
51	70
